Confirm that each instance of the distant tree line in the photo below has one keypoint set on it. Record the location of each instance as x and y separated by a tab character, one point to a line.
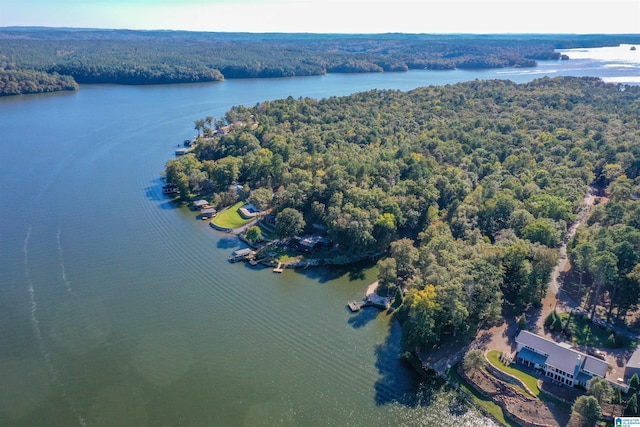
16	82
157	57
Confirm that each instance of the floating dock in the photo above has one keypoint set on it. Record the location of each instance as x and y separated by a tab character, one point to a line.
279	268
356	305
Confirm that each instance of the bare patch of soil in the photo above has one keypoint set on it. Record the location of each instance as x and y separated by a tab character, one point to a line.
525	408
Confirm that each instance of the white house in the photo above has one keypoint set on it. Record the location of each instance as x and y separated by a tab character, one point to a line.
558	361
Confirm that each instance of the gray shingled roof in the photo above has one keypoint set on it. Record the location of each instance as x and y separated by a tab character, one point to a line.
595	366
536	341
634	361
561	357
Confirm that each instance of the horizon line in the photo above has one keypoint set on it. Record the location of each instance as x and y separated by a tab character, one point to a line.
62	28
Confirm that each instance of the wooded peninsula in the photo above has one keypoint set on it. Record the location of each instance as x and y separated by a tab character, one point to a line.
34	60
466	189
463	193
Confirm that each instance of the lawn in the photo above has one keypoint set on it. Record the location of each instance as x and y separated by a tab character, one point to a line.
482	401
583	332
529	380
280	253
230	218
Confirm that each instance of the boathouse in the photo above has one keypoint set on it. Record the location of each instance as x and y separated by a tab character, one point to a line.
239	254
170	189
200	204
208	213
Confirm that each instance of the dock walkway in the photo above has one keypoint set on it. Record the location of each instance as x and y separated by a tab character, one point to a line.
279	268
356	305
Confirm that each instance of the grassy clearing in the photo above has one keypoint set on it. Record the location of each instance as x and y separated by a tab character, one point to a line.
529	380
583	332
281	254
482	401
230	218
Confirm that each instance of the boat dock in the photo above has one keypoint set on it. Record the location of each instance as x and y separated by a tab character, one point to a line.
370	299
356	305
279	268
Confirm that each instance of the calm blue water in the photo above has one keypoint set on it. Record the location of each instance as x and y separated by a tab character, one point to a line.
117	308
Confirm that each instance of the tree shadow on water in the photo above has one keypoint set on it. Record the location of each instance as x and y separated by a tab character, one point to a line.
228	243
399	382
332	272
363	317
323	274
154	193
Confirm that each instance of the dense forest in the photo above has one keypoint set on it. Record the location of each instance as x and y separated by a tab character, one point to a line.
466	190
31	58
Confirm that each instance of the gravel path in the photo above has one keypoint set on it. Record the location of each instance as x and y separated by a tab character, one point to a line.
502	337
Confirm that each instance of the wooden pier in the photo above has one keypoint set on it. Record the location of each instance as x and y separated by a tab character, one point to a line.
279	268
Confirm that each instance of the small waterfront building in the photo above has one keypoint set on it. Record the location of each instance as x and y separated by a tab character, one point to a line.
170	189
558	361
239	254
181	151
311	243
200	204
208	213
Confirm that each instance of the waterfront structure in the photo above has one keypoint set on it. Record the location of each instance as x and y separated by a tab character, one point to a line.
207	213
240	254
200	204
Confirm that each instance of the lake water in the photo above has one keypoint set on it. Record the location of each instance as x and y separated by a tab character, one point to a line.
119	309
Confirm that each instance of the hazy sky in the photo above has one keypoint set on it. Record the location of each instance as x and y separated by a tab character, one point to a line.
332	16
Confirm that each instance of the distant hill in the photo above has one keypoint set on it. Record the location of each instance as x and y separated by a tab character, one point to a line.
38	59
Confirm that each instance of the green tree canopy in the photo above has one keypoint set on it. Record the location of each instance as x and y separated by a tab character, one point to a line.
474	360
289	222
600	389
589	410
254	234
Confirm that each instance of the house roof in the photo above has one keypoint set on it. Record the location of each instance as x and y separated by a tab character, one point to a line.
561	356
200	203
536	341
634	361
242	252
531	356
310	241
595	366
566	360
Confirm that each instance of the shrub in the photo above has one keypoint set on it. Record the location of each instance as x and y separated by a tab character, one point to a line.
634	382
632	405
551	318
557	324
522	322
611	341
